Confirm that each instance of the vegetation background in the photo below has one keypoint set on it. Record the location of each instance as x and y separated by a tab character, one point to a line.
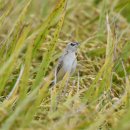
33	33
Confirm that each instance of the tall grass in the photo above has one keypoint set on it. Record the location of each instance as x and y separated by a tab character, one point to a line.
32	36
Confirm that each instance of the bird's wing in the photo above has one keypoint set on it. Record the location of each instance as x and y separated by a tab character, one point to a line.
59	66
60	62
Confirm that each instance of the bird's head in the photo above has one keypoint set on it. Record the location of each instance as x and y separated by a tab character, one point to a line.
72	46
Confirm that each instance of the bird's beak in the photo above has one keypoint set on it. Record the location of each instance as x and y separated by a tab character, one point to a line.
77	43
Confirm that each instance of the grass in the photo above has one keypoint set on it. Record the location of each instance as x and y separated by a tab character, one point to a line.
32	36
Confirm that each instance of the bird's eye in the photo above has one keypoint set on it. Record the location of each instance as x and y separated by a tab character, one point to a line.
72	44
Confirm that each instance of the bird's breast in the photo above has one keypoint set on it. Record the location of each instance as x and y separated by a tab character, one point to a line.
69	62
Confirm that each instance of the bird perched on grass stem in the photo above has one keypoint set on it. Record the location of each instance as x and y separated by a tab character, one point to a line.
67	62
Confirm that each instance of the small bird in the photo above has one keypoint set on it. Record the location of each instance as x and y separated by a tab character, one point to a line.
67	62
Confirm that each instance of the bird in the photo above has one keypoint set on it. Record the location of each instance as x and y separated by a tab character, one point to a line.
66	63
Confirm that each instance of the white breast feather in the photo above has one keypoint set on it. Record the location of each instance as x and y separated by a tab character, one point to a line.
69	62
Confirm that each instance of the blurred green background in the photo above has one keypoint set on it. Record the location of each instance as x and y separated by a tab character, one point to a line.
33	34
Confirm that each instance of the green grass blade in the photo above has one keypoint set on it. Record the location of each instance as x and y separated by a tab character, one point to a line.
9	65
42	93
25	77
11	40
10	121
97	86
48	55
44	28
6	13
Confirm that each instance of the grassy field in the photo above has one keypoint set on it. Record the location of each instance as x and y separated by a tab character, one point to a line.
33	33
